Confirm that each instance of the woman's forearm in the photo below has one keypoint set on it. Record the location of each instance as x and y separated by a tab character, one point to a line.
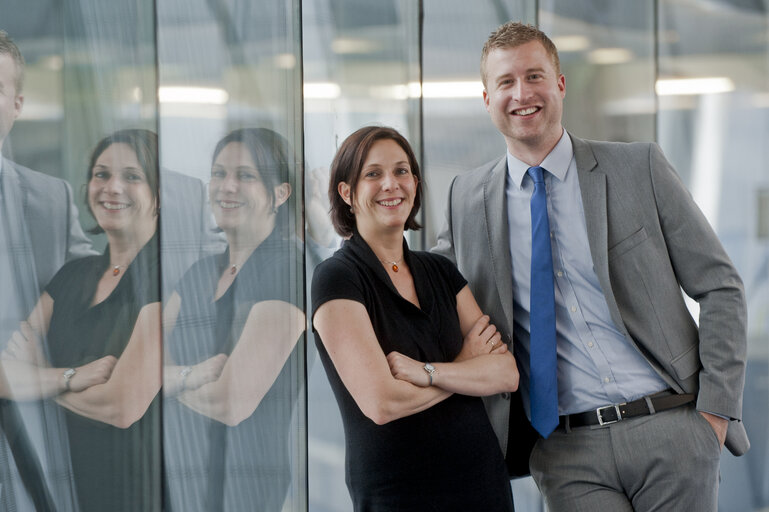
24	381
134	382
269	335
480	376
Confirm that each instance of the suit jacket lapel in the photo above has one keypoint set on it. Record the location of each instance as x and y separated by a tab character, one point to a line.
499	236
592	185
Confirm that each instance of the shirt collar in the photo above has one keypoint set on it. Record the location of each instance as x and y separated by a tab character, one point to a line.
556	162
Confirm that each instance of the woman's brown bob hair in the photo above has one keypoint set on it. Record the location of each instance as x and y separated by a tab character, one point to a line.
347	166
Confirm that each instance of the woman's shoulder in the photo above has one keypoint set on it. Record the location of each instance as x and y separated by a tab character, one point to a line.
75	268
339	276
70	275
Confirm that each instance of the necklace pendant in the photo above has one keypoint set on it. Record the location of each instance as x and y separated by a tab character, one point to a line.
233	269
115	270
395	267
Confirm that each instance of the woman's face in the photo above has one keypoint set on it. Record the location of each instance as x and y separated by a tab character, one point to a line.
239	198
118	192
386	188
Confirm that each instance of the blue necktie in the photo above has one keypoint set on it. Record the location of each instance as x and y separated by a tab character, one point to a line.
543	386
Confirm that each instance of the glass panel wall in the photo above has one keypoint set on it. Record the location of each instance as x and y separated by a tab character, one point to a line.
231	145
195	205
80	399
361	67
713	123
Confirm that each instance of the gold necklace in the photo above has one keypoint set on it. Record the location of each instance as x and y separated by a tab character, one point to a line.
393	263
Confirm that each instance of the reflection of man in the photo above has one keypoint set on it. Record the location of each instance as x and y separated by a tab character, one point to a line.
40	227
605	321
39	231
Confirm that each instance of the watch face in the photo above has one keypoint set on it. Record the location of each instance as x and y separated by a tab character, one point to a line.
429	368
69	373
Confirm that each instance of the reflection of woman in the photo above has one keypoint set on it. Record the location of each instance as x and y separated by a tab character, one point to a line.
226	441
108	306
391	322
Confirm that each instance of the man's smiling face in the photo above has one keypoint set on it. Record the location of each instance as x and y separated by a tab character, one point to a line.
524	96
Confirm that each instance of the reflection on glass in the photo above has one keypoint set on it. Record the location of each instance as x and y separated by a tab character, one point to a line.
101	316
38	232
233	328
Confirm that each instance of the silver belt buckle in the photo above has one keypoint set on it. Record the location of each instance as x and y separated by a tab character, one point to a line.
603	422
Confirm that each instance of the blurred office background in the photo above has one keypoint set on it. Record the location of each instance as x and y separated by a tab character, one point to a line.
692	75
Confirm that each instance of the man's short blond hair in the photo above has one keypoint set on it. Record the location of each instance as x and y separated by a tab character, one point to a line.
513	34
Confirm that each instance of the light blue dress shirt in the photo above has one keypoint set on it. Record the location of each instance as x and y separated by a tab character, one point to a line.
597	365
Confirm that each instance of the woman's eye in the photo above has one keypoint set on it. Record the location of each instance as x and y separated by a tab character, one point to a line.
100	174
403	172
372	174
134	177
217	173
246	176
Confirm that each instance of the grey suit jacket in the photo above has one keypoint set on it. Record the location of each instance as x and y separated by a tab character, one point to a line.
648	240
187	230
42	225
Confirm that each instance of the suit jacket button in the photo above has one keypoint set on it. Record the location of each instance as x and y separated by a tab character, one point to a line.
506	395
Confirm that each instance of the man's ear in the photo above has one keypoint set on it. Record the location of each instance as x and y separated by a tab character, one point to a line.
18	104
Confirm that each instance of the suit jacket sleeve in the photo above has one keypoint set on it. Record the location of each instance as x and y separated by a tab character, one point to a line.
445	242
706	274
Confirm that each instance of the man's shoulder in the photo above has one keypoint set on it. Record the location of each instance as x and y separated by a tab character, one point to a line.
611	148
480	174
34	182
27	174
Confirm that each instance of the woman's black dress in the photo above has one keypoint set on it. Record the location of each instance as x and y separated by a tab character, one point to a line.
445	458
113	469
210	466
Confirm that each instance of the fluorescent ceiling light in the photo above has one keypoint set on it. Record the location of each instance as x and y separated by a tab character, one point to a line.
430	90
469	89
322	90
605	56
285	61
346	46
571	43
196	95
689	86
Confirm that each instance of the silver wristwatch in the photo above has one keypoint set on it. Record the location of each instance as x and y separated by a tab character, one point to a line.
183	374
68	374
430	369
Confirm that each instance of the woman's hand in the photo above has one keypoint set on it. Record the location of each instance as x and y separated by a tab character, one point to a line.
24	346
205	372
404	368
482	339
91	374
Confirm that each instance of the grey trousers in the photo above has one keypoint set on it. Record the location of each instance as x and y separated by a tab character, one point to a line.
662	462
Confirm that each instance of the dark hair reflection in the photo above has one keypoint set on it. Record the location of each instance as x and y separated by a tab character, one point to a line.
233	325
101	317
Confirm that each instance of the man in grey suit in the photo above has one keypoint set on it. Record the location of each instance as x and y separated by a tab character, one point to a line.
646	398
39	232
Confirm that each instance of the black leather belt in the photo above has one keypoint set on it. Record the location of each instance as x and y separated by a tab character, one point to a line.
614	413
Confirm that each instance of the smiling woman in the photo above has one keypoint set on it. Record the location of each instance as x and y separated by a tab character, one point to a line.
407	350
